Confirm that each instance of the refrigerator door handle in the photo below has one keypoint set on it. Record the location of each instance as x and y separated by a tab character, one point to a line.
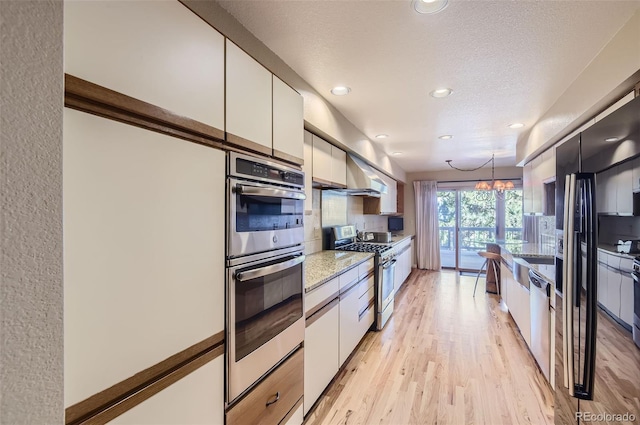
567	277
584	390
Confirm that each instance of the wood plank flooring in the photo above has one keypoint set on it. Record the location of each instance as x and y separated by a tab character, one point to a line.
443	358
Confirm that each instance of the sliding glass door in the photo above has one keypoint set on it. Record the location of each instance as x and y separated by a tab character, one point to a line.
469	219
477	218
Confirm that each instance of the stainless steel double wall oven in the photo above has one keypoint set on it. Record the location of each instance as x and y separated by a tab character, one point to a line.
265	268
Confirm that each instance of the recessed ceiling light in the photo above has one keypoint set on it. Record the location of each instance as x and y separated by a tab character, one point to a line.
382	136
611	139
445	137
340	90
429	7
442	92
396	153
516	125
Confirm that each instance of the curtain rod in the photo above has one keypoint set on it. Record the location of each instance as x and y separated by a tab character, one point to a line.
475	180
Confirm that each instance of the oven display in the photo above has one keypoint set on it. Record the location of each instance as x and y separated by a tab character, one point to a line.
262	171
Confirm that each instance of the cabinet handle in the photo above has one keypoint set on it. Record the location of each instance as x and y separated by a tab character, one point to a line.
269	403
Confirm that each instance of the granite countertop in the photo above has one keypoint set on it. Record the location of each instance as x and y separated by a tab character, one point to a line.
526	249
611	249
395	239
325	265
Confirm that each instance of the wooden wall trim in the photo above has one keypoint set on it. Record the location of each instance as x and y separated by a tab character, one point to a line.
89	97
117	399
286	157
247	144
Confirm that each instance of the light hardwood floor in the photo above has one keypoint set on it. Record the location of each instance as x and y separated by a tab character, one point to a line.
443	358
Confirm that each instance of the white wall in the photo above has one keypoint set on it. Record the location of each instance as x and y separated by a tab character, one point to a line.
611	74
447	175
31	96
320	116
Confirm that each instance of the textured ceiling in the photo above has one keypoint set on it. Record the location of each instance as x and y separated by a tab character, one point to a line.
507	61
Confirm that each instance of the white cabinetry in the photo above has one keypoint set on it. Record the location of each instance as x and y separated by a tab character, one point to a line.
614	280
338	166
603	276
535	173
198	398
321	343
349	320
157	52
248	101
403	264
288	122
307	168
624	191
626	291
635	175
389	201
329	163
322	160
144	249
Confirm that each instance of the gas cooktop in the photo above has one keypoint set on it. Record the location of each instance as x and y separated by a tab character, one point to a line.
365	247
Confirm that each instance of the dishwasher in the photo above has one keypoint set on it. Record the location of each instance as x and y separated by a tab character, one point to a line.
539	297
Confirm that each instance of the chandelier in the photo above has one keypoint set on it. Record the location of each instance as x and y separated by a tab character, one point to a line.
498	185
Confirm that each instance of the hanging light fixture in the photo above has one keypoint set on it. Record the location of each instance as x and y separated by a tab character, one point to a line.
498	185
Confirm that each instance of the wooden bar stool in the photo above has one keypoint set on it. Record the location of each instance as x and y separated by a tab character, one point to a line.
491	259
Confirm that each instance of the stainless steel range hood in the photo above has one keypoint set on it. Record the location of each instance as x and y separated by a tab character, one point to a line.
362	180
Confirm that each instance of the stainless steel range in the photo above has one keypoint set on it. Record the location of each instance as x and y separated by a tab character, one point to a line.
344	238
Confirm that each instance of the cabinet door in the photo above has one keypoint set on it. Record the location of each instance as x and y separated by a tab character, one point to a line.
538	169
349	320
527	188
248	101
308	170
601	189
198	398
321	354
626	299
338	166
610	191
624	191
635	174
288	123
524	314
614	279
322	160
144	249
388	201
602	278
157	52
504	282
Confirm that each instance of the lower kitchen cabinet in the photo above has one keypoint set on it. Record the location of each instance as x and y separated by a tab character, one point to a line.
350	333
614	280
603	283
321	341
626	300
273	399
196	399
143	250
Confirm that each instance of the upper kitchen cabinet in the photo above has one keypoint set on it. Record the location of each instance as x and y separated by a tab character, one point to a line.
288	123
536	173
387	203
249	102
329	164
308	170
157	52
143	250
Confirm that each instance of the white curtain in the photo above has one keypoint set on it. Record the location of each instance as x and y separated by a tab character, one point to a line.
427	226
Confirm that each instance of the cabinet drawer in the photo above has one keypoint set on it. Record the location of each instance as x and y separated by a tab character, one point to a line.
285	384
365	268
365	286
314	299
348	277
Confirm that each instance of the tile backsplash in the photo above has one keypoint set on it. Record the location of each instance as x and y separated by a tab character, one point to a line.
332	208
614	228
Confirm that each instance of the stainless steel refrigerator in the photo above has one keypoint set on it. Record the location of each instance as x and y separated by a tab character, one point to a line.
597	367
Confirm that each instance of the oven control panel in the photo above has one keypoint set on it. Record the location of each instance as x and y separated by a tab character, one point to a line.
269	172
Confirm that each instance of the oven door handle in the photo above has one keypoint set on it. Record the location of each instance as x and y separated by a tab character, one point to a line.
265	271
269	192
